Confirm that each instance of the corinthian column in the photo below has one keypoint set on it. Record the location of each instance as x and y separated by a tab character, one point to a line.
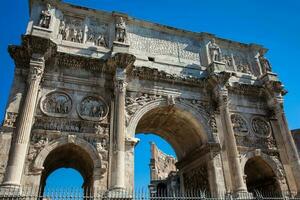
119	130
18	150
236	172
288	141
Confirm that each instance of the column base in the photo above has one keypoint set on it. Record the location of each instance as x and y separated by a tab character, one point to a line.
119	193
242	195
10	190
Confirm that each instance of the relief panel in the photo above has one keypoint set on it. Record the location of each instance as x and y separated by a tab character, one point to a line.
56	104
92	108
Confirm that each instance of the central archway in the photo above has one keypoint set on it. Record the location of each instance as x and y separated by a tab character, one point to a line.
185	130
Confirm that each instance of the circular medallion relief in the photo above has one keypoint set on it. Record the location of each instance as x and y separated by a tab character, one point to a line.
239	125
57	104
260	127
92	108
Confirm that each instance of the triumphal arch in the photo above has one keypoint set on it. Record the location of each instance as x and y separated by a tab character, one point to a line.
86	81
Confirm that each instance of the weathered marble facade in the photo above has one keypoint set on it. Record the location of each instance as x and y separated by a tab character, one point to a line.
87	81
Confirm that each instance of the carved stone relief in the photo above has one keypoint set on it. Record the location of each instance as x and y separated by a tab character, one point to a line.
239	61
134	103
97	33
196	179
69	125
239	124
260	127
10	119
57	104
92	108
72	29
38	143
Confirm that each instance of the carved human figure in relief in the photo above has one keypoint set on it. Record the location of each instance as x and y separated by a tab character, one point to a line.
100	41
57	103
79	36
214	51
260	127
120	30
45	17
239	124
92	107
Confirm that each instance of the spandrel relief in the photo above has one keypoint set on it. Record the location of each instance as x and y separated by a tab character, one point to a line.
57	104
92	108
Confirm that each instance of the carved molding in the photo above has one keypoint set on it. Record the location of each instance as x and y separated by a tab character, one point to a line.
146	73
70	125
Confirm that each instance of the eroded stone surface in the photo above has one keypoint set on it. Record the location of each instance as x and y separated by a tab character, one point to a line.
87	81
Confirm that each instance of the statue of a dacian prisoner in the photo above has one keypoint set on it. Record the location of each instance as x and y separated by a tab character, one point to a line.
214	51
45	17
120	30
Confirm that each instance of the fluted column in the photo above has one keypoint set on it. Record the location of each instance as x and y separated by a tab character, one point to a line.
118	179
17	154
239	185
290	146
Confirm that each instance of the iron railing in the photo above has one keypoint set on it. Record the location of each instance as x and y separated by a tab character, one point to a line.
142	194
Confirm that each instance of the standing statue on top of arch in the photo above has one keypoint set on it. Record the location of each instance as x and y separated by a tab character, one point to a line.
120	30
265	64
45	17
214	51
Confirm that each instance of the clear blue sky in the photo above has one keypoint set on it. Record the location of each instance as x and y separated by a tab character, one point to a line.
272	23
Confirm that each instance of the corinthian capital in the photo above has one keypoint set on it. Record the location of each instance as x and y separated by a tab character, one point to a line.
120	86
37	64
221	95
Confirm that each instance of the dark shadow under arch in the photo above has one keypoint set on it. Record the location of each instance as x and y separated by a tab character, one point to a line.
260	176
69	156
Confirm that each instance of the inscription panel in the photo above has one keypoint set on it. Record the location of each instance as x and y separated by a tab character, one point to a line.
159	43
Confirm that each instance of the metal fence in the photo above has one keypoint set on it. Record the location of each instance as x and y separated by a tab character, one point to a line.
142	194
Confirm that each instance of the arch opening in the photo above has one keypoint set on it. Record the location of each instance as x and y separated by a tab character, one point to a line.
177	126
69	156
185	134
260	177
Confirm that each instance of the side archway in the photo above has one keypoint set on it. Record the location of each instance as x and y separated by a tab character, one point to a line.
262	173
70	152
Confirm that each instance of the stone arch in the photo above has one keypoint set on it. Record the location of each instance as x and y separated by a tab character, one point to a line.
276	167
200	117
186	127
91	156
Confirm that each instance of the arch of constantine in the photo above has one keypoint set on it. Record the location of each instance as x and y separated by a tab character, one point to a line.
87	81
